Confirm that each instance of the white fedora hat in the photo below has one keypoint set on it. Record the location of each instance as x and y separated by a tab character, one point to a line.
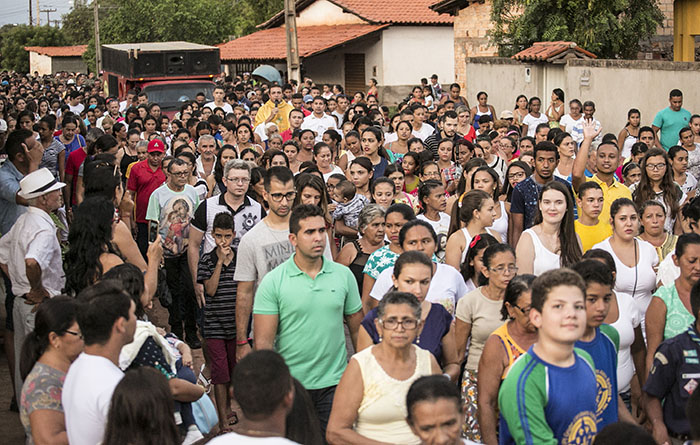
38	183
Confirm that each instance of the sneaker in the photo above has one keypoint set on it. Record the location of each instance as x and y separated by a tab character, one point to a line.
193	435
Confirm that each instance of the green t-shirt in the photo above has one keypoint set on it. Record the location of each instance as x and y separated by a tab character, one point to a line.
671	122
310	334
545	404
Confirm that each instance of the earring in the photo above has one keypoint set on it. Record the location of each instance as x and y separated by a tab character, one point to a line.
380	338
418	340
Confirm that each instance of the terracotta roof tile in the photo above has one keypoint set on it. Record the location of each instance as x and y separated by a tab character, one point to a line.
269	44
542	51
58	51
404	12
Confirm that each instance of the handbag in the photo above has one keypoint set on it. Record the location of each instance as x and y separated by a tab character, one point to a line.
205	416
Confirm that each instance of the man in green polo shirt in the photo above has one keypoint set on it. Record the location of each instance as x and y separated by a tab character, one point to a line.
607	159
669	121
299	309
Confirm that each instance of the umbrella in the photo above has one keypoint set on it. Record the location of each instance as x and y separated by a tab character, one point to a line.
267	73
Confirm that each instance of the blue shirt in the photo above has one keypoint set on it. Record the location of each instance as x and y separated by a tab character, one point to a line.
9	186
525	196
673	377
78	141
603	350
546	404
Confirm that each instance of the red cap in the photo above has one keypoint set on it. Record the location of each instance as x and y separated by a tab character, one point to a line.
156	145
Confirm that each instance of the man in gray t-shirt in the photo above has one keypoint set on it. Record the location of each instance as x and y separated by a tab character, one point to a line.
263	248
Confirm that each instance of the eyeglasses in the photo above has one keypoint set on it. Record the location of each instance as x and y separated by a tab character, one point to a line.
656	167
518	175
524	311
277	197
408	324
501	270
238	180
77	334
180	174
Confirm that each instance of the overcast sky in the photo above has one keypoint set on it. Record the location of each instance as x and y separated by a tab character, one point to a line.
17	11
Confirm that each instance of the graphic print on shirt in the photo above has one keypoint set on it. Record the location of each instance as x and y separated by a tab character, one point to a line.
604	395
581	430
175	224
277	253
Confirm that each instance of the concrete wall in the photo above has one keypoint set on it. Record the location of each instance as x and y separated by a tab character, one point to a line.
412	52
614	85
70	64
323	12
39	62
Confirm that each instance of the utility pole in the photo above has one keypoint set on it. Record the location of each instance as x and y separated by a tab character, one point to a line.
38	14
290	24
31	19
48	11
98	48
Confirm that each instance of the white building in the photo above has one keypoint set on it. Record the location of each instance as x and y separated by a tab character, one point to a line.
348	42
55	59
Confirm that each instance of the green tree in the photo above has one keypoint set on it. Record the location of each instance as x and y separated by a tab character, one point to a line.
608	28
15	38
79	24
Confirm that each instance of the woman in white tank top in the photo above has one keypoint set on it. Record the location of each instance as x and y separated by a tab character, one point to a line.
551	243
487	179
475	213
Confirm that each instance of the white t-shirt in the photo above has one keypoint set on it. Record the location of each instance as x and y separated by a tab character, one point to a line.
335	170
390	137
532	122
668	272
446	287
318	124
441	228
226	107
77	109
643	274
626	323
569	123
87	393
237	439
425	131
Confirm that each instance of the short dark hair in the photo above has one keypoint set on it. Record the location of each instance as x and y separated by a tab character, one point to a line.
675	93
405	210
347	189
414	223
593	271
223	221
131	279
684	241
586	186
546	146
300	213
600	254
551	279
430	388
261	380
515	288
102	304
623	432
13	144
175	162
278	173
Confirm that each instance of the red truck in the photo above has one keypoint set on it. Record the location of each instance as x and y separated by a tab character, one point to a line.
169	72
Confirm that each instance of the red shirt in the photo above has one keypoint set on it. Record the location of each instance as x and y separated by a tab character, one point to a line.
75	159
286	135
143	180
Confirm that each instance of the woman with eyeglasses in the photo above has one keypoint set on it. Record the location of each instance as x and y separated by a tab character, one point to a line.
413	273
657	185
369	406
512	339
47	354
478	314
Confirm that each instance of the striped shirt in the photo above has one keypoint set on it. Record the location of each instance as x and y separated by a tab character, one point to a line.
220	308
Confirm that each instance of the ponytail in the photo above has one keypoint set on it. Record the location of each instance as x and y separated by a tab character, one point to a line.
32	349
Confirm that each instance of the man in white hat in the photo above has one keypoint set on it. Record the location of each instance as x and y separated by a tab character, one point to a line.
31	256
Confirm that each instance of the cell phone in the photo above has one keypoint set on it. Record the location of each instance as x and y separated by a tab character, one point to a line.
152	231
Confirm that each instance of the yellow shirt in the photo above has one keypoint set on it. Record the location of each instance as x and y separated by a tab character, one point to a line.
592	235
610	194
282	118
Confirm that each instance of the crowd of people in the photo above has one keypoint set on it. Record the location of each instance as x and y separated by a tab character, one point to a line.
354	272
